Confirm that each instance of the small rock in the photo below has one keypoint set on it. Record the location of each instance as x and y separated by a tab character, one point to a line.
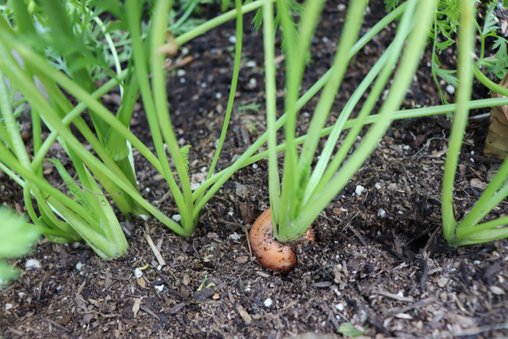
392	186
8	307
212	235
235	236
450	89
496	290
340	307
403	316
242	259
176	217
251	64
359	189
252	84
242	190
363	316
381	213
32	264
138	273
79	266
268	302
477	183
159	287
442	281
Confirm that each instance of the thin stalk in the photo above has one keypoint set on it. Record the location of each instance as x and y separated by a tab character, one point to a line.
188	11
465	78
489	83
271	109
296	46
495	192
12	126
293	74
111	45
158	36
232	88
215	22
140	59
489	231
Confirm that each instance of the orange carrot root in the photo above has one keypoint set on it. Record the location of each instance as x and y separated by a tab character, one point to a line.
270	253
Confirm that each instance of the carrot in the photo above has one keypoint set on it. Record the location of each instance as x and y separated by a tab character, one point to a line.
270	253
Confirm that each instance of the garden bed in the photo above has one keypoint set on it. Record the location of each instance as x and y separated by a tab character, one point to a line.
379	260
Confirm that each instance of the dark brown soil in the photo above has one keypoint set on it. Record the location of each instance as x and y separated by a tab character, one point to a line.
379	261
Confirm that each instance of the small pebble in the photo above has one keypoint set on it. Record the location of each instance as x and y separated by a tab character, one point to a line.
159	287
242	259
235	236
381	213
450	89
339	307
441	282
359	189
268	302
32	264
8	307
496	290
252	84
79	266
138	273
176	217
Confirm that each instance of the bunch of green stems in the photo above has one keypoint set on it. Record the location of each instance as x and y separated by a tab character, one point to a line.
102	155
106	159
471	229
304	190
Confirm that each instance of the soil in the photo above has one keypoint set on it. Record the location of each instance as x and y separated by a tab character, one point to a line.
379	261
